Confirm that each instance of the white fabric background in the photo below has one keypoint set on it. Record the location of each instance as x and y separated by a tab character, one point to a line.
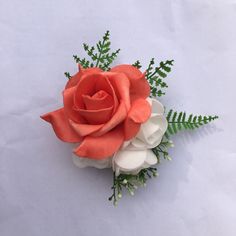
42	192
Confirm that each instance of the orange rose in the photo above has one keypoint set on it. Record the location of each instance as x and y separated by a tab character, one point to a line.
102	110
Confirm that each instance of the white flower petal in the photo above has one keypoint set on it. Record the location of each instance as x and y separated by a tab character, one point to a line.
82	162
148	128
129	159
157	107
151	132
136	154
161	121
151	159
132	161
138	144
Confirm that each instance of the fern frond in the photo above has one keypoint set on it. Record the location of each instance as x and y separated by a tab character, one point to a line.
83	62
137	64
108	59
179	121
67	74
100	55
155	76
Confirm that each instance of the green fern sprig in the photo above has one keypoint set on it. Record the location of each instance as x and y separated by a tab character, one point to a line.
137	64
179	121
155	76
83	62
67	75
100	55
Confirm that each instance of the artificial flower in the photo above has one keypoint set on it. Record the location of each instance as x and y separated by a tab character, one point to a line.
102	110
137	154
110	116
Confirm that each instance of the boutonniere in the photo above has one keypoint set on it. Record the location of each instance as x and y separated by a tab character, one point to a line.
115	117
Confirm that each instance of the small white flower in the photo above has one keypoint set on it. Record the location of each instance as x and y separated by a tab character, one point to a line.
136	154
132	161
152	131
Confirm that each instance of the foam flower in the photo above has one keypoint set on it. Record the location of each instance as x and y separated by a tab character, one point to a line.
102	110
110	116
136	154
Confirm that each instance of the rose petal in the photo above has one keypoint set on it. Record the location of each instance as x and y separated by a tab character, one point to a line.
85	129
89	85
86	86
106	85
99	100
130	129
140	112
96	117
101	147
130	71
116	119
61	126
73	81
139	86
121	84
68	99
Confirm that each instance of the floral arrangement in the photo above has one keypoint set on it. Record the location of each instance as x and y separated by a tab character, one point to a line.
115	119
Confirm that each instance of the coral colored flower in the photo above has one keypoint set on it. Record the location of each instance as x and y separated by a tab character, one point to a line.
102	110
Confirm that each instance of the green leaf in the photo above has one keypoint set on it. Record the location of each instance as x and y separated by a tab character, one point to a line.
67	74
100	55
155	76
178	121
137	64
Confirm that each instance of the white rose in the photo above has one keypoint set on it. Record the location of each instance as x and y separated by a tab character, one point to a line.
131	161
135	154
